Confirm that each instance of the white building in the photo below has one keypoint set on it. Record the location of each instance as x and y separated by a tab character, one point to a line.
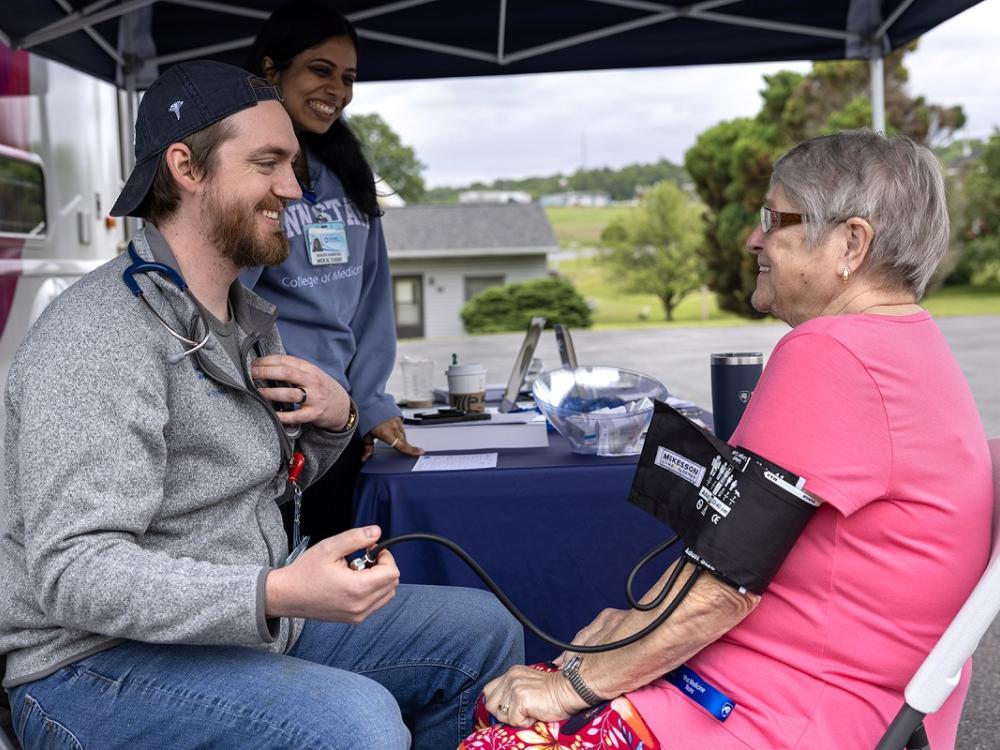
441	256
577	198
494	196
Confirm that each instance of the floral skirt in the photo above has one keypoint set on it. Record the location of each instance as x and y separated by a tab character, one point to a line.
613	724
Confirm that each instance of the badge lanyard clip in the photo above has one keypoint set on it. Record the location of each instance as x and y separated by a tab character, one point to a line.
299	543
312	198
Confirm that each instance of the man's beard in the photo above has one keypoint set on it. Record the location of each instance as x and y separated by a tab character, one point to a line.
232	227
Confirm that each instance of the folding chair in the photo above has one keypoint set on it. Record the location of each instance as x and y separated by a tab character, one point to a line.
941	670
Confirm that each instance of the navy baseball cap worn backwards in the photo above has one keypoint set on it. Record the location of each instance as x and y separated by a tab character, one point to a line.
189	97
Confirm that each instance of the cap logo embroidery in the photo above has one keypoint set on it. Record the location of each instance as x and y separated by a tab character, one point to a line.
176	108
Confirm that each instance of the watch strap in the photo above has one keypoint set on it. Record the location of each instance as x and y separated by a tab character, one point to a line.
572	674
352	419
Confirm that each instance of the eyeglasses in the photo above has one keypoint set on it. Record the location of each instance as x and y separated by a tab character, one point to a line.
771	219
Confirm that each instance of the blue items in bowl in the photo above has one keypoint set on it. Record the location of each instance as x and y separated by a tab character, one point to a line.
599	410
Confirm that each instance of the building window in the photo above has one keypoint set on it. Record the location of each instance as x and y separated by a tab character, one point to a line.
22	197
475	284
407	298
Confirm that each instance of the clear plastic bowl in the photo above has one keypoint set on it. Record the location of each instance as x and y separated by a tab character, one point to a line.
602	410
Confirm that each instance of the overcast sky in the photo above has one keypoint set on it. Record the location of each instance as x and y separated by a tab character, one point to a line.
517	126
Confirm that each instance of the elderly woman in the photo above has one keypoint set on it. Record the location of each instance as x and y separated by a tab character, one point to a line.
864	399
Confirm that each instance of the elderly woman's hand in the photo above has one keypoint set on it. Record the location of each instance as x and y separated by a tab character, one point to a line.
525	695
321	399
603	629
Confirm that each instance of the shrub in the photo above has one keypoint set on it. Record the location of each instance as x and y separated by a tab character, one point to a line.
512	306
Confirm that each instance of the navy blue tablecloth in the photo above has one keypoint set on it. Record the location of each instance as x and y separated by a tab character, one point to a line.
554	529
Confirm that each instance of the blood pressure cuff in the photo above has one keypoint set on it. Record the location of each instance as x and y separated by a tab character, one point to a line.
737	513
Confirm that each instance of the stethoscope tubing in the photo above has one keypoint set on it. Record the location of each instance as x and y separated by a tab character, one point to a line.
195	345
370	557
139	265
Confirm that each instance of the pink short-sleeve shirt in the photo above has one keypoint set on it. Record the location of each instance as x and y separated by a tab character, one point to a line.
875	413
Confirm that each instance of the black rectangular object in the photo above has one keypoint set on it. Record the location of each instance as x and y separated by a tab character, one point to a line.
738	513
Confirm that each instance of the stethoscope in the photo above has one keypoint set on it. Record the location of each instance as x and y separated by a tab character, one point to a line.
139	265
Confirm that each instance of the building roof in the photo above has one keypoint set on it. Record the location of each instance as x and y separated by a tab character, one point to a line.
457	230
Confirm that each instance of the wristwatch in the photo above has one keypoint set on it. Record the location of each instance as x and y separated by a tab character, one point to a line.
571	672
352	419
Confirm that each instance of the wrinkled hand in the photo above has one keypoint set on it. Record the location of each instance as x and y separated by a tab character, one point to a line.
603	629
391	433
530	695
323	401
321	584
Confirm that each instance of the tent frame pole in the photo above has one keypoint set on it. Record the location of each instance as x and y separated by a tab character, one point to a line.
876	71
77	21
128	146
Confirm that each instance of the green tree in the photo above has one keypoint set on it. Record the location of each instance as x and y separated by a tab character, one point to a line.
978	227
392	160
730	163
512	306
835	96
654	250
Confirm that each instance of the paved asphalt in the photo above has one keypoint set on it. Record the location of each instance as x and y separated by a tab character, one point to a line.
679	358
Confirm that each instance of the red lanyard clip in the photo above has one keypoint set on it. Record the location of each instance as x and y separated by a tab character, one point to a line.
295	466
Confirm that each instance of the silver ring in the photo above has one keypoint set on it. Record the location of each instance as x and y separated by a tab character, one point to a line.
304	394
393	443
503	708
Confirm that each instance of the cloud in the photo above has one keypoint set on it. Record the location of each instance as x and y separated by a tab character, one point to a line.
952	64
516	126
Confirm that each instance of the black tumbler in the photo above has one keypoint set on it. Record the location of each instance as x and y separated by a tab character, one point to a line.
734	376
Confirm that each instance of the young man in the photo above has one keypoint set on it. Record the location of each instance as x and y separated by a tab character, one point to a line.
150	599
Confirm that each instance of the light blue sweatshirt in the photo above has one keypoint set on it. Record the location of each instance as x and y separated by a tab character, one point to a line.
339	316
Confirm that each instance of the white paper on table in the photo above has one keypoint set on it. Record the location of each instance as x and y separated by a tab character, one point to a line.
462	462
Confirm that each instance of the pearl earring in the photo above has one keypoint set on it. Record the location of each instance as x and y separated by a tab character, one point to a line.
845	274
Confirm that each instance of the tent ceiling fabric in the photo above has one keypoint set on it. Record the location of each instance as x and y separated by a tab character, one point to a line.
410	39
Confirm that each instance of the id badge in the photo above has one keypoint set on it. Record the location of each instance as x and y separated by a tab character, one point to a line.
327	243
299	549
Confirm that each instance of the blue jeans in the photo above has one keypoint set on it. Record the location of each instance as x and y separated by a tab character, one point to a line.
415	666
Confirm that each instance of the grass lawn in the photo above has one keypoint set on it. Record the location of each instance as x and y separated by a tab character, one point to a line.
576	226
579	225
615	309
964	300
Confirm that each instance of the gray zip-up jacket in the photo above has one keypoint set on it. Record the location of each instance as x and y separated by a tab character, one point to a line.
143	495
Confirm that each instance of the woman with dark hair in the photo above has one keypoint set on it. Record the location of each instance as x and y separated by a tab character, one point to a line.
334	291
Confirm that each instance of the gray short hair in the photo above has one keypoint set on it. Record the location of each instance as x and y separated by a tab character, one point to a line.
892	183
